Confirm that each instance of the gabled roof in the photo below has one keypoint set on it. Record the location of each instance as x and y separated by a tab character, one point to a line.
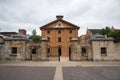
94	31
61	20
8	33
99	37
17	37
102	39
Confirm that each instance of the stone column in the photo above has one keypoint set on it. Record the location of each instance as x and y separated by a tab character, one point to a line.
44	49
74	49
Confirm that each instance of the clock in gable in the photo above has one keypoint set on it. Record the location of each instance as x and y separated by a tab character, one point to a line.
59	25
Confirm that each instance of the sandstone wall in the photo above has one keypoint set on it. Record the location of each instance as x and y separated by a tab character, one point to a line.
112	50
7	52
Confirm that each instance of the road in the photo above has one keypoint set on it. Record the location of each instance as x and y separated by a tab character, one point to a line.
26	73
91	73
55	70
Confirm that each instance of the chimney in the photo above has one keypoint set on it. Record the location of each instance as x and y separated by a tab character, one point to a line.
22	31
59	17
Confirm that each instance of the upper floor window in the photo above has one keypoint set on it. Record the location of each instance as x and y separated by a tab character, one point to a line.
48	32
103	51
49	38
59	32
70	31
59	39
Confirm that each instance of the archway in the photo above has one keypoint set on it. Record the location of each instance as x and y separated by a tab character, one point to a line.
70	53
59	51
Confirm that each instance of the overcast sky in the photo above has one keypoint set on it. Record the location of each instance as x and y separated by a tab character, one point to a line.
31	14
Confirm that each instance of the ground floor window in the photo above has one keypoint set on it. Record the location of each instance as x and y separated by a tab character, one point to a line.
59	39
83	50
48	52
103	51
14	50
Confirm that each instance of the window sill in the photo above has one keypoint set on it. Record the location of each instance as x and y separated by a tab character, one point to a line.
13	54
103	54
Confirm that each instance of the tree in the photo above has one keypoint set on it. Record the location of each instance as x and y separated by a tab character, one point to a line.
36	39
115	34
105	31
34	32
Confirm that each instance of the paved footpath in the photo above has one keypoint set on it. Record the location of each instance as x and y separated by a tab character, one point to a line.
59	65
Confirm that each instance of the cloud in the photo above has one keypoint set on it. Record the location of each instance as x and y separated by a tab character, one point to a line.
31	14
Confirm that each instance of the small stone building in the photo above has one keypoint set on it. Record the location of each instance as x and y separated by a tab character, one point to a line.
13	48
103	48
20	47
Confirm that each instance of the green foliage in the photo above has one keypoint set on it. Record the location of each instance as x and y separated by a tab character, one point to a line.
36	39
105	31
115	34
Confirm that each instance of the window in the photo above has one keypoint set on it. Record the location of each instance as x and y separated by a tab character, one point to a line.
83	50
48	32
14	50
59	39
103	51
59	32
48	52
70	31
49	38
70	38
33	51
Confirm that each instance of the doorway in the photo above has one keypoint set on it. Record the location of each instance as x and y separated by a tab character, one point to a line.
33	55
70	53
59	51
33	51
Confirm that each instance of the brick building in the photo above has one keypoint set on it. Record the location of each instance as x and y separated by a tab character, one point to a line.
59	32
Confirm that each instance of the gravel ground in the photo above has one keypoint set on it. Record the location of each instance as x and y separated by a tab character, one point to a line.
91	73
26	73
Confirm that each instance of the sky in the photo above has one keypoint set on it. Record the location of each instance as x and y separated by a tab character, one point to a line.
32	14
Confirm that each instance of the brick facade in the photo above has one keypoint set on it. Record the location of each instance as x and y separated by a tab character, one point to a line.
59	33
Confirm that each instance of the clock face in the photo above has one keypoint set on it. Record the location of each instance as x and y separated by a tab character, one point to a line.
1	40
59	25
